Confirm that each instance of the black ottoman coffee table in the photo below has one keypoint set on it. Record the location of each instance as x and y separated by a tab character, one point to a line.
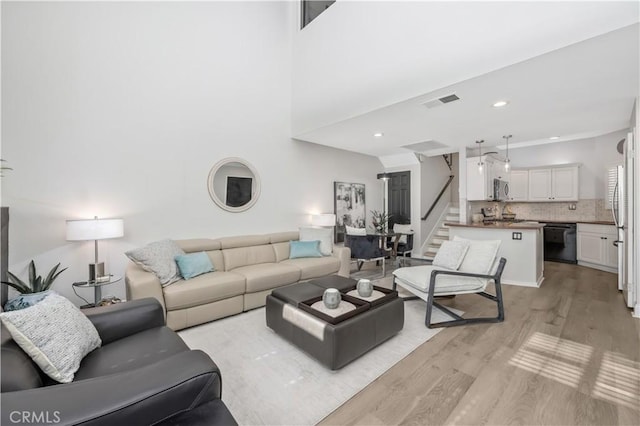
333	345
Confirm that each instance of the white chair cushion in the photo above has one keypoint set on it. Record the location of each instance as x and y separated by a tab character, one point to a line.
402	229
451	254
324	235
480	257
419	277
355	231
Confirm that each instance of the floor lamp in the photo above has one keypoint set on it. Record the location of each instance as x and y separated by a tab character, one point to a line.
385	193
95	229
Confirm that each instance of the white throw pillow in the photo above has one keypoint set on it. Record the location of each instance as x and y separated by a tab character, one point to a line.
55	334
451	254
481	255
324	235
355	231
160	258
402	229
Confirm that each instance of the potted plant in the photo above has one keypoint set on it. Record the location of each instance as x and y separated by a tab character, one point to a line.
33	292
380	221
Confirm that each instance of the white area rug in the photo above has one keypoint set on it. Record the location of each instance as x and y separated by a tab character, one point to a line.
268	381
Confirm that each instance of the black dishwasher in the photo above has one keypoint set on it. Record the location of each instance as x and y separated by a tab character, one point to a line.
560	242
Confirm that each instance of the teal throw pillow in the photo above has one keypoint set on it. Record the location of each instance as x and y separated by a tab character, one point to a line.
194	264
300	249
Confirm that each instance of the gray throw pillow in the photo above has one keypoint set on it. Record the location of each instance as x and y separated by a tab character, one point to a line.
55	334
158	257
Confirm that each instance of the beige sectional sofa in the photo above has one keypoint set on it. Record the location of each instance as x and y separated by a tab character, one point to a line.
247	268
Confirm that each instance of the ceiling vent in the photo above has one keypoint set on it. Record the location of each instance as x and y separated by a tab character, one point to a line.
424	146
441	101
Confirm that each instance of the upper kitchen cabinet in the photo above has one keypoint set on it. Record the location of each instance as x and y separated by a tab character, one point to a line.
480	183
519	185
553	184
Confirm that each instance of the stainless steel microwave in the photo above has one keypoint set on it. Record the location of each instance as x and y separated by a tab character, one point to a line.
500	190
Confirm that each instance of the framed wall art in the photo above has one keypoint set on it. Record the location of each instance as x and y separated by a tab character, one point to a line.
349	207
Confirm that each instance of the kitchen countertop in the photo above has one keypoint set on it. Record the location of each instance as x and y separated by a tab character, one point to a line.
597	222
593	222
499	225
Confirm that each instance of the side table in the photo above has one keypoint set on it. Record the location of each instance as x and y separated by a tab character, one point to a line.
97	287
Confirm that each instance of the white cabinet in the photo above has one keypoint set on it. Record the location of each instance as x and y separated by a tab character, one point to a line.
553	184
480	184
519	185
564	183
595	246
540	185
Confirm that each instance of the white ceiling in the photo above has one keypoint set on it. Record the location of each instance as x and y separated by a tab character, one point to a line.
578	91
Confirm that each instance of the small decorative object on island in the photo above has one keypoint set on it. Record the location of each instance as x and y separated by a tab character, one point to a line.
507	213
380	221
331	298
32	293
365	288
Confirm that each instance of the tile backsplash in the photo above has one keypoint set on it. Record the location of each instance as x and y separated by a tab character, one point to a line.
586	210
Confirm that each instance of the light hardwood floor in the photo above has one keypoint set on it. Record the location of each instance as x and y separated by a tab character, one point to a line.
567	353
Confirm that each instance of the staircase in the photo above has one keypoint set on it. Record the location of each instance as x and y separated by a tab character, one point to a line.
441	232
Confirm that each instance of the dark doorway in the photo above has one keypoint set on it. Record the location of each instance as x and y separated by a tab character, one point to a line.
400	198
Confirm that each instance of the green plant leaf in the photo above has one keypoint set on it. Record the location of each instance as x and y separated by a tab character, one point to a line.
49	279
32	274
17	283
52	277
18	287
37	285
16	280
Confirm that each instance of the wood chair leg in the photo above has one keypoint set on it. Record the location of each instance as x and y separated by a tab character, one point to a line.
458	319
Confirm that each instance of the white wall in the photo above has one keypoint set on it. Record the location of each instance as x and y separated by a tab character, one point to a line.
594	154
121	109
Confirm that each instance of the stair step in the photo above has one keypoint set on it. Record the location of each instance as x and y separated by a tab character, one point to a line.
454	210
438	241
452	218
442	232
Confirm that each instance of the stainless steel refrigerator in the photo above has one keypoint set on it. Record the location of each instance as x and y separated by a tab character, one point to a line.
623	207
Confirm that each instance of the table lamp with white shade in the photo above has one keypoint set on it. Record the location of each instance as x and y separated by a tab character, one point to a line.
325	219
95	229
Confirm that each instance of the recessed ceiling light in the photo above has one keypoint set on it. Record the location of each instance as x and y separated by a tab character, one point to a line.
553	138
378	135
500	104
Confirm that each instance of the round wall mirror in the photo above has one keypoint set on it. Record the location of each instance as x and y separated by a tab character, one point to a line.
234	184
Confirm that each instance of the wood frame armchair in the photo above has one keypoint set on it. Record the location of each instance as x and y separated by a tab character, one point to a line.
437	289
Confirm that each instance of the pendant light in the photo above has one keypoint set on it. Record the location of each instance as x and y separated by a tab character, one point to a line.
507	162
480	163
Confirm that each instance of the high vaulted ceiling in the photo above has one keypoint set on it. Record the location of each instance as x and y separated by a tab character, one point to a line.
576	91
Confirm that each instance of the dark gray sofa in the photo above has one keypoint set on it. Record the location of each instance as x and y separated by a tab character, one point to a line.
143	374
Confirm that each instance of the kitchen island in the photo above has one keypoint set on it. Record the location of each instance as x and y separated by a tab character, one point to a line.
522	245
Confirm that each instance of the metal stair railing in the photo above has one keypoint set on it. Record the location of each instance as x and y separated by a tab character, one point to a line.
444	188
